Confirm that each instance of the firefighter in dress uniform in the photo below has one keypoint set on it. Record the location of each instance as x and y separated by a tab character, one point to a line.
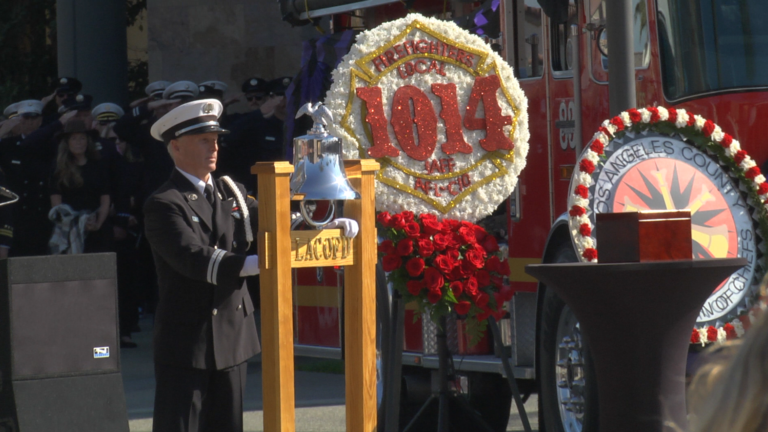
201	230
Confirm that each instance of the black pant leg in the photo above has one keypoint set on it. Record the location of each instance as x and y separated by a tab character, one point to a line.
224	402
179	396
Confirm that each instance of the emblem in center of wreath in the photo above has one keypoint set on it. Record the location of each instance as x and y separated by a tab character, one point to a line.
439	110
447	121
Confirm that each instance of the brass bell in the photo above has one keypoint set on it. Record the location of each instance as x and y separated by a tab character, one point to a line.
318	173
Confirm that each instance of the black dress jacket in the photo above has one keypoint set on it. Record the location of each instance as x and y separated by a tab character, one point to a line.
204	317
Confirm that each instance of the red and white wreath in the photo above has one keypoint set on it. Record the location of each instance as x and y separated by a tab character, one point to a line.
706	136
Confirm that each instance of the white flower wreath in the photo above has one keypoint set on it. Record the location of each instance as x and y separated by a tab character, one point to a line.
395	187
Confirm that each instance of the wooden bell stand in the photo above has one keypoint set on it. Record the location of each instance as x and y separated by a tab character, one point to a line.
279	251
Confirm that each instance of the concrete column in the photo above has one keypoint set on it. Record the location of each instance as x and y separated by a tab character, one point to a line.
621	56
92	47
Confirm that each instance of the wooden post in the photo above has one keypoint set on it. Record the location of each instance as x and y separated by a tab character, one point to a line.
276	295
360	301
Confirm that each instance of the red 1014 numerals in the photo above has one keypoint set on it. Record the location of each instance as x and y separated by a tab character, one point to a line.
402	120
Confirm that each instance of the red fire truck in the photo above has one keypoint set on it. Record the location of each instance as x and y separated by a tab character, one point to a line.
708	57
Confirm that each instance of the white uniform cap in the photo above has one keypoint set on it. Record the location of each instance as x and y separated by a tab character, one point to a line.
215	85
30	106
11	110
180	89
196	117
107	112
156	88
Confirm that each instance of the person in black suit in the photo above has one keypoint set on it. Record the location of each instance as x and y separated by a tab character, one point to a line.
201	231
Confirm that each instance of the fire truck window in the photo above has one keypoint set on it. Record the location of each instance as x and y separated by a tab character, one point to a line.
560	37
532	26
641	39
712	45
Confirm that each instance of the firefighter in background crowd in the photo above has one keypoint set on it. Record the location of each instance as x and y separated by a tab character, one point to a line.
65	87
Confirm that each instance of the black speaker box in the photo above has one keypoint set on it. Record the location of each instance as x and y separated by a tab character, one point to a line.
59	345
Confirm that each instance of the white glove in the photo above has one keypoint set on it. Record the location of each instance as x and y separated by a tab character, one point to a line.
350	226
251	266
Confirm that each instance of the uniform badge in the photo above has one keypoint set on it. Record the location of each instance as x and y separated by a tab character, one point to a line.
208	108
193	197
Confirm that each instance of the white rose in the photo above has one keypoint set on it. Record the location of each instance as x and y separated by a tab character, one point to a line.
584	219
717	134
663	113
738	326
759	179
702	335
699	122
581	202
585	179
721	336
645	115
625	118
586	242
747	163
592	157
682	118
734	148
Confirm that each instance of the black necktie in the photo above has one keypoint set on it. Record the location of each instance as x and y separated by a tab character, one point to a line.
209	194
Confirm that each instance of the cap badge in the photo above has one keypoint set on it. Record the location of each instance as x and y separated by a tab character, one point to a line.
254	81
202	88
63	81
79	98
208	108
286	81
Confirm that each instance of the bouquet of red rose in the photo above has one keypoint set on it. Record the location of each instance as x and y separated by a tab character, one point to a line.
444	266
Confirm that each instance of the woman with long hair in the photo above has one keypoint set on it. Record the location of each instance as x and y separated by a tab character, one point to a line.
81	181
730	391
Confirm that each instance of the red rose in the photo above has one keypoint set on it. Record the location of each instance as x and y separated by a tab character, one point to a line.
672	116
587	166
434	296
483	278
695	337
482	316
708	128
739	156
480	233
431	225
407	215
415	286
490	244
405	247
752	173
711	334
616	121
453	254
730	331
455	241
503	269
762	189
467	235
497	281
426	248
506	293
444	263
457	288
493	264
605	131
433	279
412	229
481	299
590	254
654	114
397	222
462	307
386	247
383	218
467	269
691	120
475	258
634	115
470	287
576	211
391	262
450	225
414	266
581	191
441	241
585	230
726	141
